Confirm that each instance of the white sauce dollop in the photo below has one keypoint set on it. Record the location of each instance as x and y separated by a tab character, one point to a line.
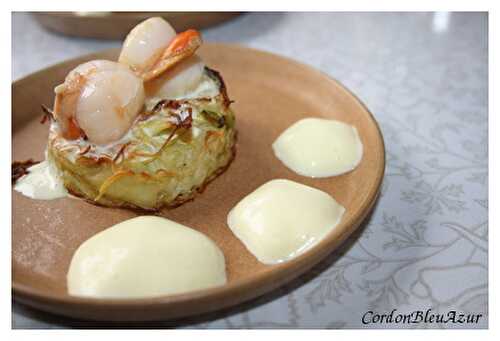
318	147
282	219
143	257
42	182
206	87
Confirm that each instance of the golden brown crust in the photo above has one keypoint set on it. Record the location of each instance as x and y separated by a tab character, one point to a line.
86	155
179	200
20	168
222	86
198	190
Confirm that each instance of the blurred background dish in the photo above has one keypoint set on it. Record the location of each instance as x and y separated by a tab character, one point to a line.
116	25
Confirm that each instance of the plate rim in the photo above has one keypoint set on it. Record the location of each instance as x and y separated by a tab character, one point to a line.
283	272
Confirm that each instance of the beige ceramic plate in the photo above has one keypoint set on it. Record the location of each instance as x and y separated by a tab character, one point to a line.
270	93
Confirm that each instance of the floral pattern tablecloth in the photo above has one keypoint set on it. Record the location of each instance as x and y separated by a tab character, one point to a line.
425	78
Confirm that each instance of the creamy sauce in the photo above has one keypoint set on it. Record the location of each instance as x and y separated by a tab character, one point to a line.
282	219
42	182
207	87
317	147
144	257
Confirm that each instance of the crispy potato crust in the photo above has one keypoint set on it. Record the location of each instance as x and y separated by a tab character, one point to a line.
169	155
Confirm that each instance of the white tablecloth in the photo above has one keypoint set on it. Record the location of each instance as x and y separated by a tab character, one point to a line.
425	78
